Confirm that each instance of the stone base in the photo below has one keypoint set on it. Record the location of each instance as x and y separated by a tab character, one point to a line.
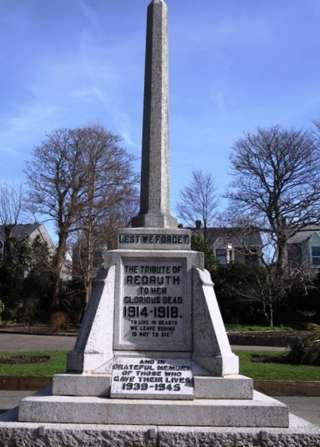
229	387
262	411
205	387
81	385
152	220
300	433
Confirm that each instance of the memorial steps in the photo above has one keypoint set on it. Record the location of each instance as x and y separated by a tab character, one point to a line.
228	401
261	411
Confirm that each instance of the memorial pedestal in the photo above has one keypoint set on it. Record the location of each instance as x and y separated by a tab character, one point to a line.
153	349
160	301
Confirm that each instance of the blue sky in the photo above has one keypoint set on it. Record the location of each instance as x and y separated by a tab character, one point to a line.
234	65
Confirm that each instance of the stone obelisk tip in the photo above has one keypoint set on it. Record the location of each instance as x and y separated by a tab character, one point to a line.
154	195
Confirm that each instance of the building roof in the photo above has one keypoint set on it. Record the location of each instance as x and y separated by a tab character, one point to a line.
239	237
304	234
20	231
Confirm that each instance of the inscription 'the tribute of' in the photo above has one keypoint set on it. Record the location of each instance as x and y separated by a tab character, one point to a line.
154	308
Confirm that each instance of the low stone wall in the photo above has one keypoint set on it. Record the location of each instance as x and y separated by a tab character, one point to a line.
300	433
288	388
278	339
24	383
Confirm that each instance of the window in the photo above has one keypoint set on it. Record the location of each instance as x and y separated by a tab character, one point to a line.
315	255
251	256
221	255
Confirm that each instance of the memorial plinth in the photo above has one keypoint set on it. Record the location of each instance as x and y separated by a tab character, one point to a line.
152	348
152	363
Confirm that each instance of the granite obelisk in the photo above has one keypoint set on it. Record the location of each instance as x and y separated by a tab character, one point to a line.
154	196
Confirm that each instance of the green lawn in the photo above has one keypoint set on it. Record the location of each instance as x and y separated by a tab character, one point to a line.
262	371
275	371
252	328
56	364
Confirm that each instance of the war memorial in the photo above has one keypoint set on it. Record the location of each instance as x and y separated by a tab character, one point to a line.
152	365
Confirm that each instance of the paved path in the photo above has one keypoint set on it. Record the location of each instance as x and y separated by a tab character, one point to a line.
27	342
257	348
10	399
305	407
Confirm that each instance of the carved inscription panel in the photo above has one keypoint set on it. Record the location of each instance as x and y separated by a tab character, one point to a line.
154	311
152	378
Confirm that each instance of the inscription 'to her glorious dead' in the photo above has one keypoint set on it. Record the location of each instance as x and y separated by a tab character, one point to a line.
154	304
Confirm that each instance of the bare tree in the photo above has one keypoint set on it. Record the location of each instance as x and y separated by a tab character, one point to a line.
55	178
11	211
94	237
73	178
110	190
11	199
198	200
277	174
277	188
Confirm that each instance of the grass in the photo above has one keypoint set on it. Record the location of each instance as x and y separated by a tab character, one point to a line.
275	371
56	364
259	371
252	328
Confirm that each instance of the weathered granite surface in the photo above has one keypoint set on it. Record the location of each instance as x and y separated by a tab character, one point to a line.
205	387
229	387
299	434
154	195
261	411
154	239
211	347
81	384
94	345
183	340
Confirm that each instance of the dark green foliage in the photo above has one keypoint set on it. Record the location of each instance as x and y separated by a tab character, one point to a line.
25	281
26	286
198	243
244	293
12	269
73	300
239	289
306	350
301	305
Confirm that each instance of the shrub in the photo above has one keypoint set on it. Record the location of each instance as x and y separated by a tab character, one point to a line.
306	350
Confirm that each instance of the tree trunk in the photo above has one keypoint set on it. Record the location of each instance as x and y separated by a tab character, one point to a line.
57	266
7	249
88	288
282	256
205	230
89	267
271	318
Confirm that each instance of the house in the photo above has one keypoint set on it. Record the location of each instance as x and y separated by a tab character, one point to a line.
26	231
233	244
303	250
